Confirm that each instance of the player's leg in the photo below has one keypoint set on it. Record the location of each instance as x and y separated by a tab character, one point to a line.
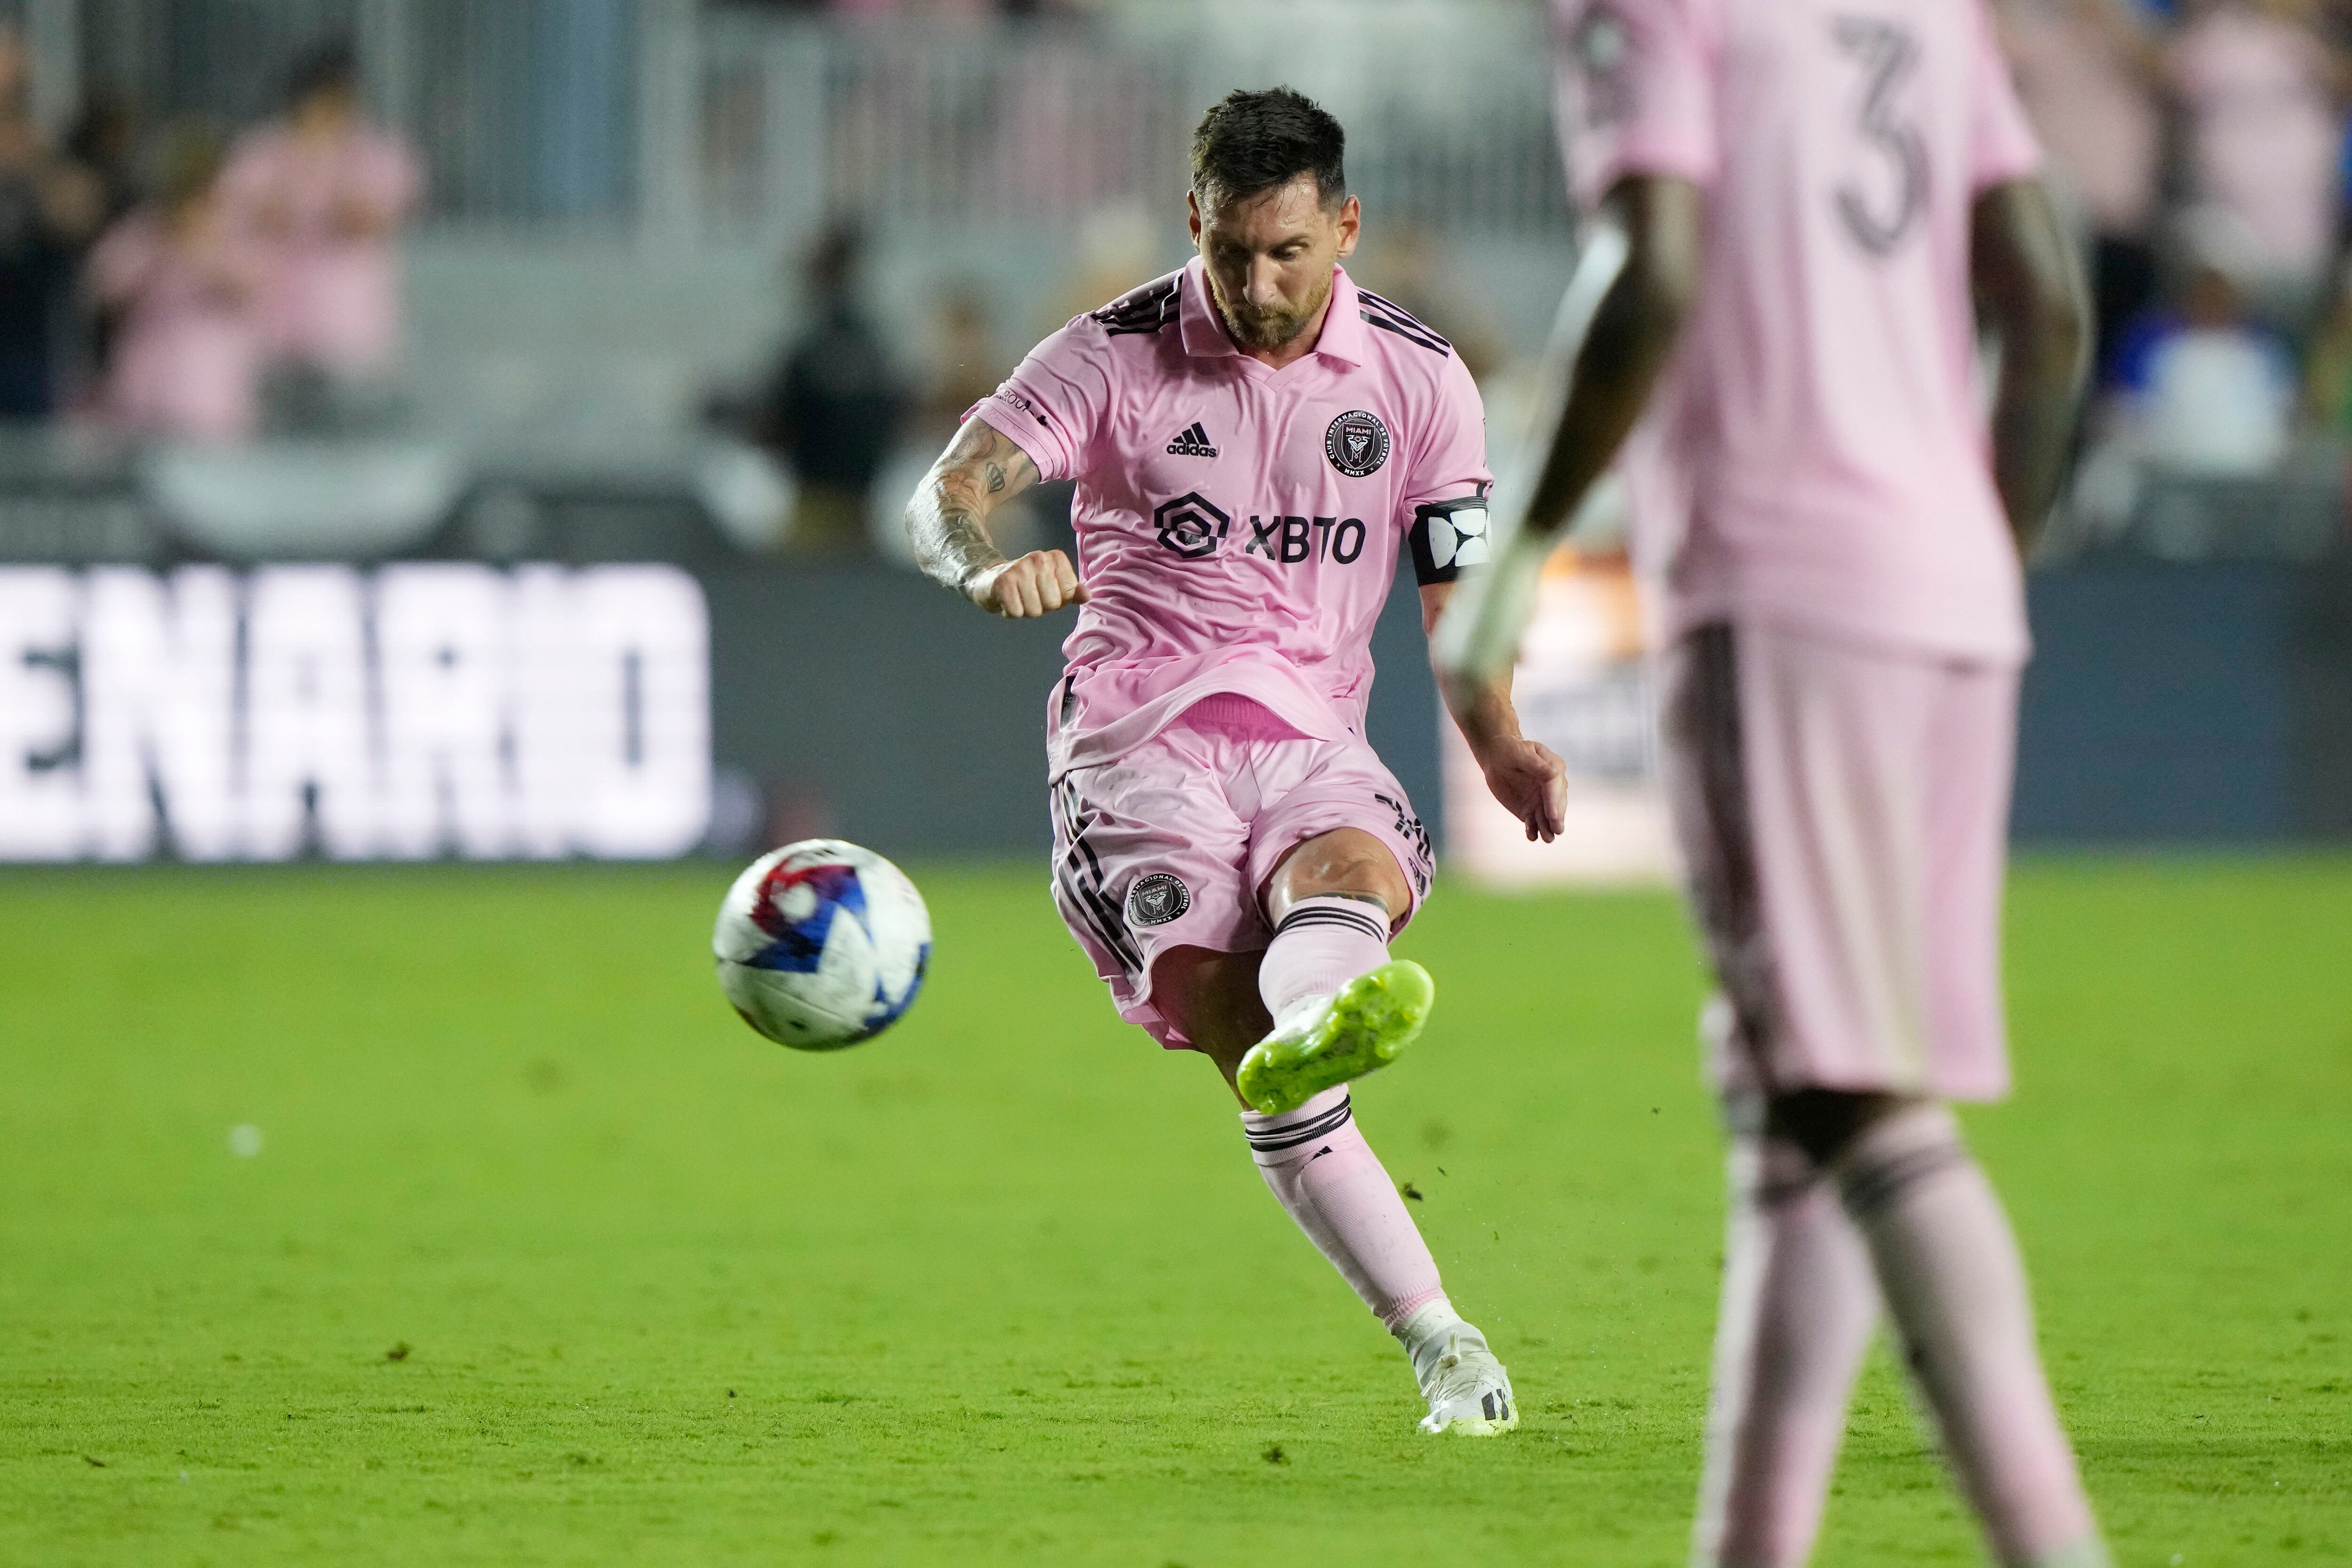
1315	1160
1210	1000
1340	1006
1341	860
1945	1257
1798	1297
1956	1289
1797	1309
1856	788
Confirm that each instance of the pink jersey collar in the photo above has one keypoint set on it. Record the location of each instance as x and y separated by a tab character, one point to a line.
1205	337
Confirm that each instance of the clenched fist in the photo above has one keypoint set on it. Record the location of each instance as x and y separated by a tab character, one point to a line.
1036	585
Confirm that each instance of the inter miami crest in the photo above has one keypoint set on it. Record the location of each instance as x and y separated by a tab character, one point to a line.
1356	442
1156	899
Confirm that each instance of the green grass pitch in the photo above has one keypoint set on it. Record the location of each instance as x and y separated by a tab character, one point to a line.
545	1258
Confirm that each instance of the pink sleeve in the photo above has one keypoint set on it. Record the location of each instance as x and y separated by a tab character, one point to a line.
120	263
1052	405
390	175
2001	147
1450	460
1635	85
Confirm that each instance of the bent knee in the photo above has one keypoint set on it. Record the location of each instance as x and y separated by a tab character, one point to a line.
1346	862
1826	1122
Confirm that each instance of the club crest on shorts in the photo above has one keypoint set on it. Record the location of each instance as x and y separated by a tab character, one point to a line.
1356	442
1156	899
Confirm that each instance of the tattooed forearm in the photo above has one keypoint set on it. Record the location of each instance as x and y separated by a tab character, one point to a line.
947	523
950	545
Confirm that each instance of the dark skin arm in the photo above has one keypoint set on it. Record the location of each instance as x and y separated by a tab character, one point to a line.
1632	336
2030	298
1625	346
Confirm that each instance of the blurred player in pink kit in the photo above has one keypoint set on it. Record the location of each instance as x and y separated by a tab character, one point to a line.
1793	202
1256	442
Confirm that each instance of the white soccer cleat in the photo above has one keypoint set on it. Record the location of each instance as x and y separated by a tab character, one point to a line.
1469	1392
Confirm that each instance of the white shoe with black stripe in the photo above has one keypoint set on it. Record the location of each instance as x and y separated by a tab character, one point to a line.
1469	1392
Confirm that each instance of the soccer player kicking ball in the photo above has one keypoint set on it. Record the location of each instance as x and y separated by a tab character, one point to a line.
1254	440
1805	194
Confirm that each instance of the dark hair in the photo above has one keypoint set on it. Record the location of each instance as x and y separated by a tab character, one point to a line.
1256	142
330	64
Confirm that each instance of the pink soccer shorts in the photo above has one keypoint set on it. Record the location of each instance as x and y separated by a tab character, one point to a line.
1172	844
1843	813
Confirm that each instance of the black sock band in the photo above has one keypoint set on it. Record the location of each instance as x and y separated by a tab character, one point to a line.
1290	1134
1332	910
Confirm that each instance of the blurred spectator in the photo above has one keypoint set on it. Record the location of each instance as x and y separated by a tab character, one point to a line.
105	141
182	283
966	364
2259	93
965	367
49	206
323	195
2088	72
2327	373
831	407
1120	245
2206	388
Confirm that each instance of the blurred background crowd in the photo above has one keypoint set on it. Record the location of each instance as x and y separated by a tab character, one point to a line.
177	285
462	238
703	286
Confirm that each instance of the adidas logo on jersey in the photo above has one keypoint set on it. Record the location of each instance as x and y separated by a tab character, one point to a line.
1192	443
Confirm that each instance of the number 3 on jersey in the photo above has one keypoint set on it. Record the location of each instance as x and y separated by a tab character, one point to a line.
1888	56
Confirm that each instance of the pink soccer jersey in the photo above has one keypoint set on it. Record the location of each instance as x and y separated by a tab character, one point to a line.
1817	455
1239	526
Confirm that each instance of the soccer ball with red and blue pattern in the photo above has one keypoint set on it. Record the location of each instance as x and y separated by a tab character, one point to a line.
822	944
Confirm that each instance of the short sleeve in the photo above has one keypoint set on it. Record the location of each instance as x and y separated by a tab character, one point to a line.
2001	147
1635	86
1450	460
1443	501
1053	403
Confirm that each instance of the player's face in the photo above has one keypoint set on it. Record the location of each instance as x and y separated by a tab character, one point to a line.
1270	258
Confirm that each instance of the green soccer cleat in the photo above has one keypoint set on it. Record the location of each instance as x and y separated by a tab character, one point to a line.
1360	1030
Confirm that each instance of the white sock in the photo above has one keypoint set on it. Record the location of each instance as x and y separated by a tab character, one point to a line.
1798	1305
1321	945
1424	1326
1953	1282
1317	1165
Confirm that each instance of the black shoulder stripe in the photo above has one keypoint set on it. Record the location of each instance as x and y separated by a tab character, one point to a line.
1385	313
1403	317
1145	310
1421	337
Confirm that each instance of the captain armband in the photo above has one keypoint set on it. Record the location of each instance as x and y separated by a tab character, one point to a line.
1448	535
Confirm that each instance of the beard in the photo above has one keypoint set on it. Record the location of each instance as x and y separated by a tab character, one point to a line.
1269	328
